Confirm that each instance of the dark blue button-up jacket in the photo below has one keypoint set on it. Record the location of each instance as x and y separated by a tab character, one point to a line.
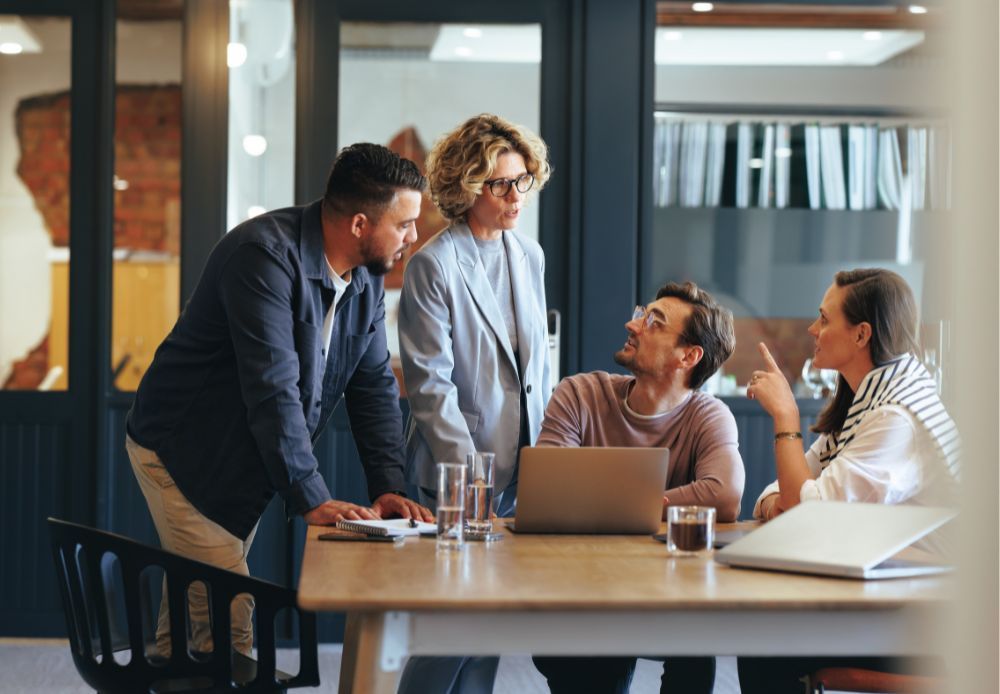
237	393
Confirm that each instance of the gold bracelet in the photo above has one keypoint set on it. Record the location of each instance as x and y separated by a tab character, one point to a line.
791	435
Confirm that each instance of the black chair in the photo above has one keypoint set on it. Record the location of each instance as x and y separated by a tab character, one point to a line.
93	596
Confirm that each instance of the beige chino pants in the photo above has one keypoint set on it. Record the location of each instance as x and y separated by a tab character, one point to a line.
185	531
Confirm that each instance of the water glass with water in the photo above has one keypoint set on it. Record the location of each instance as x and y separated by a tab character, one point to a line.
479	493
450	505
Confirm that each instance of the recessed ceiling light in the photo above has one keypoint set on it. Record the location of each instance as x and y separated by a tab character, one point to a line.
472	33
872	36
236	54
498	43
918	9
17	37
254	145
672	35
255	210
735	46
782	152
756	163
702	6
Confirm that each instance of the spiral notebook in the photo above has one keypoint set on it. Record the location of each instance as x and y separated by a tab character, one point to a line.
394	527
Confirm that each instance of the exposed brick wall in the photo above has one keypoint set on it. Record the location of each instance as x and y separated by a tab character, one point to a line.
787	338
147	158
42	125
27	373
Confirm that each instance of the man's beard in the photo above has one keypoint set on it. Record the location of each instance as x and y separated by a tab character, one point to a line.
379	266
623	359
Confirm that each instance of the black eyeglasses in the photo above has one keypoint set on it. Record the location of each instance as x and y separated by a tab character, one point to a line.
500	187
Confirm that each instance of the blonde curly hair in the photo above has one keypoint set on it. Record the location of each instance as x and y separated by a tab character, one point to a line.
465	158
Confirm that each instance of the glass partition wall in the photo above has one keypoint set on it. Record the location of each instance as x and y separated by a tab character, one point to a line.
145	296
427	78
784	153
261	60
34	202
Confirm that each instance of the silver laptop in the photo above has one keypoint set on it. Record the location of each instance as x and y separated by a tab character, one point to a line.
591	490
835	538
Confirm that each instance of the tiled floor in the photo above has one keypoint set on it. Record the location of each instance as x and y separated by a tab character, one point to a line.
46	667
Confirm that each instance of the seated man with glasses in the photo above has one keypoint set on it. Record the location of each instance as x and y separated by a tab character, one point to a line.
674	345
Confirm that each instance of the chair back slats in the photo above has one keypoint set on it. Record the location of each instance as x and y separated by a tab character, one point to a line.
266	644
177	605
222	631
98	600
72	594
85	560
136	595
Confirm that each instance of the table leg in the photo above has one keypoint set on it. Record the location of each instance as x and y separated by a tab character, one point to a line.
360	666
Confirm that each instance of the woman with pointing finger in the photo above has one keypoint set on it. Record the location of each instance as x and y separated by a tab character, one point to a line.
884	438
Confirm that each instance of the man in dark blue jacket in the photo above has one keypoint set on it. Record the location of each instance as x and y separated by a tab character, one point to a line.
287	318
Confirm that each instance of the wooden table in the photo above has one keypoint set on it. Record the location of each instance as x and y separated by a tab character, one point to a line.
610	595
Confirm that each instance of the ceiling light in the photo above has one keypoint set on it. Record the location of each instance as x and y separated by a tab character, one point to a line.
254	145
16	37
782	152
918	9
756	163
672	35
702	6
503	43
872	36
772	46
236	54
255	210
472	33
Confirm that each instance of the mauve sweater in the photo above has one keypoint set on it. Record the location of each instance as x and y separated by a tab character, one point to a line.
705	465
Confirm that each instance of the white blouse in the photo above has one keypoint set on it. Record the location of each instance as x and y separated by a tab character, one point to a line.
892	460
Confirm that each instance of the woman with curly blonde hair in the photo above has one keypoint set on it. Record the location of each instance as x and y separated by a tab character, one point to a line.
473	333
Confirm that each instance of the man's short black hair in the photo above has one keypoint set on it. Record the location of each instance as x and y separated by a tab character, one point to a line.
365	177
710	326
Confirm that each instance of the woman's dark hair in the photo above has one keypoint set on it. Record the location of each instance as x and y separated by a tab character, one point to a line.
885	301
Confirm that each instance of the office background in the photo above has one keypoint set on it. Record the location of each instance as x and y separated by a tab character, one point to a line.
593	93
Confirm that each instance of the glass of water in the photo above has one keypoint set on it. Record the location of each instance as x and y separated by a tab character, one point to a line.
450	505
479	494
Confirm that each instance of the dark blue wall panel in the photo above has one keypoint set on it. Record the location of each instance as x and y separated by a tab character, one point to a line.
34	459
756	432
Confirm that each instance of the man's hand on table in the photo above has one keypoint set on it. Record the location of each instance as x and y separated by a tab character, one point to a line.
391	505
329	512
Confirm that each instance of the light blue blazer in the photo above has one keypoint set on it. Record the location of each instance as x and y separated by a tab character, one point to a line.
458	364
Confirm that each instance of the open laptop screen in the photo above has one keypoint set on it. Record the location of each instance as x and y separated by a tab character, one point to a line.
591	490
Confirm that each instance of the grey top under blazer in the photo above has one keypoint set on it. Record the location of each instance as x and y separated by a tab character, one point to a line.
458	364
